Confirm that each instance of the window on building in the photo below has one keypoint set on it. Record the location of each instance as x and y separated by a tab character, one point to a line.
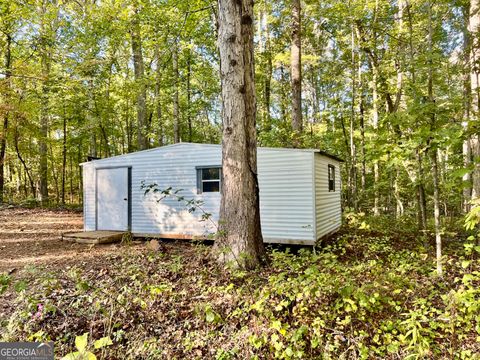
208	179
331	178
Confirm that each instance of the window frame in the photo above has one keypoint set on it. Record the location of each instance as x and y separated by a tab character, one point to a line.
331	181
200	181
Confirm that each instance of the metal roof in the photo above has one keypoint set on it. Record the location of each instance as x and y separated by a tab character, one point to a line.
321	152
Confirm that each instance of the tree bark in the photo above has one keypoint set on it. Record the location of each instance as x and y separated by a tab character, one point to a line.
22	160
376	169
64	158
296	68
474	29
176	105
422	199
189	95
467	104
91	120
158	103
3	137
361	113
353	150
268	76
139	71
239	241
45	57
433	149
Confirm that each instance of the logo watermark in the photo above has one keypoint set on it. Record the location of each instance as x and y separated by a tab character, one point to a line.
26	351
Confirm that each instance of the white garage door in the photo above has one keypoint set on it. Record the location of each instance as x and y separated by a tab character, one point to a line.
112	199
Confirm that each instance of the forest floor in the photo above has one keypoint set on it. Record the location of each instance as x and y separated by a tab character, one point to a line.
34	237
367	293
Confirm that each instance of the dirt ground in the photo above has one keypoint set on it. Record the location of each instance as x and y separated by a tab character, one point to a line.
34	237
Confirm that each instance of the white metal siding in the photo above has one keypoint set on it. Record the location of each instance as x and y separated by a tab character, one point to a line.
328	210
285	180
88	197
174	167
286	207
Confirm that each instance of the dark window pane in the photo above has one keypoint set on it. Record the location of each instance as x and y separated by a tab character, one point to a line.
211	186
331	185
331	178
211	174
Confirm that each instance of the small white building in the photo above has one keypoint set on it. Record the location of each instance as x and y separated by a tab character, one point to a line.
299	192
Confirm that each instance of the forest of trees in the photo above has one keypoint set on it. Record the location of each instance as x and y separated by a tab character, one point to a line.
391	86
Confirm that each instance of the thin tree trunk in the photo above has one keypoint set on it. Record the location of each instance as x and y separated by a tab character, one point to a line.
396	192
3	137
27	171
283	95
268	76
176	105
436	205
64	158
45	56
433	150
361	111
375	111
91	120
71	179
353	153
189	112
265	50
474	28
139	71
296	68
54	174
158	102
467	104
376	170
422	200
240	238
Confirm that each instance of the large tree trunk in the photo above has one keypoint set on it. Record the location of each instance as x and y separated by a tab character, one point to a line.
240	239
138	66
296	68
3	135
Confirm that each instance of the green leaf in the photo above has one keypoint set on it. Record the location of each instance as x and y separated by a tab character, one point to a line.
100	343
465	263
289	351
461	172
81	342
209	315
20	286
90	356
277	325
72	356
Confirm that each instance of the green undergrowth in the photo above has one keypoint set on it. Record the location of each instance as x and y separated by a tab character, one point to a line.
363	295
